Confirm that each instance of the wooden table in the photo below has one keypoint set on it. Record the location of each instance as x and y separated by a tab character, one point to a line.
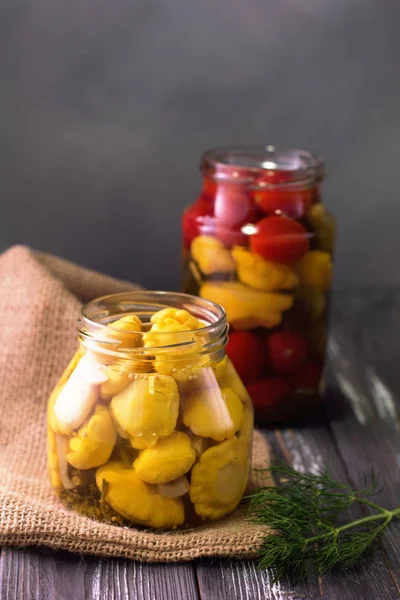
358	429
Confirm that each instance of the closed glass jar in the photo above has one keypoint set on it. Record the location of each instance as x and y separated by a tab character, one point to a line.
150	424
259	241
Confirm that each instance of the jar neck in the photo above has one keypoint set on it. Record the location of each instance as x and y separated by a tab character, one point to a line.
260	167
97	335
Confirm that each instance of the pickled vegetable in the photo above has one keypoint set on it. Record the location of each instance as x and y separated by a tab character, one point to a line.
280	239
211	255
150	404
148	448
247	308
136	500
264	213
167	460
219	479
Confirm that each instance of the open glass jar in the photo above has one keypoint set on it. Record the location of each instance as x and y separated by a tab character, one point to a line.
150	424
259	241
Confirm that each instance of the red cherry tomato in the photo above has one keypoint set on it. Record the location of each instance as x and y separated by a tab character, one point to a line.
266	393
247	353
292	203
287	351
280	239
307	377
192	218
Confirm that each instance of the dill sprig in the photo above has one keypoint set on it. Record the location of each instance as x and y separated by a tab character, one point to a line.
305	512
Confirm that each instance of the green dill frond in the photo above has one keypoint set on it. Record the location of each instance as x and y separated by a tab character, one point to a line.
304	511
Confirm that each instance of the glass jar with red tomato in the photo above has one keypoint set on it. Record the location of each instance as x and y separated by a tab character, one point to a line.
259	241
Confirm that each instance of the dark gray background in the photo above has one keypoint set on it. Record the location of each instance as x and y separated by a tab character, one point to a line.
106	105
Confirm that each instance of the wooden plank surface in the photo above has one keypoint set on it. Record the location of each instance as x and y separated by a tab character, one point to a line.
366	426
32	574
359	427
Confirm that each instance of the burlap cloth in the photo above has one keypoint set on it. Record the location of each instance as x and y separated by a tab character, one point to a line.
40	301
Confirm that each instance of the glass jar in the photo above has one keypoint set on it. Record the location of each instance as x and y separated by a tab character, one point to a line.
259	241
150	424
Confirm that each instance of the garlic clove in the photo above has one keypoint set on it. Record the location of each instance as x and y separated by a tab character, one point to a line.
77	398
174	489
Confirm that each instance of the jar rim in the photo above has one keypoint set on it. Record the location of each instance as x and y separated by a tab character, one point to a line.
245	163
99	312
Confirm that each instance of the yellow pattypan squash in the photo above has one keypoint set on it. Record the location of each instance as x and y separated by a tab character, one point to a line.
177	361
136	500
230	379
148	406
125	331
170	458
94	442
262	274
324	226
116	381
181	316
211	255
219	479
245	307
144	440
315	270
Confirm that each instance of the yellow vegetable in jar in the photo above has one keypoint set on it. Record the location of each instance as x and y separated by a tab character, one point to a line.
324	226
171	321
247	308
124	331
219	479
181	316
144	440
230	379
170	458
122	334
149	405
136	500
116	382
235	407
213	412
94	442
177	361
262	274
211	255
315	270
